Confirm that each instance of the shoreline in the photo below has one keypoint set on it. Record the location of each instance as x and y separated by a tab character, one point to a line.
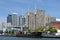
30	36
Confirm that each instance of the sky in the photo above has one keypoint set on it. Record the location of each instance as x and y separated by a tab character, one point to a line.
51	7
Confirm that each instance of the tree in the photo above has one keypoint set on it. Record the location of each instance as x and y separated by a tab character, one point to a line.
6	31
9	31
39	29
28	30
51	29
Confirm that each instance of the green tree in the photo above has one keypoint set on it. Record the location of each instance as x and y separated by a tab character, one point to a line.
8	31
11	31
53	30
28	30
40	29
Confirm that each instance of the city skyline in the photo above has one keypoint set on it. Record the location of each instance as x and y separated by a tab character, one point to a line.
51	7
31	20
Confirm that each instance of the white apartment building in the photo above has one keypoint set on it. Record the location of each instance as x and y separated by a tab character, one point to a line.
35	19
49	19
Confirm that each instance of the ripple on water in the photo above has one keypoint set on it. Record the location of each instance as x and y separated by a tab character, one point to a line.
21	38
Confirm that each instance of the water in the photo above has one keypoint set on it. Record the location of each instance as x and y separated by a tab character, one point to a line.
20	38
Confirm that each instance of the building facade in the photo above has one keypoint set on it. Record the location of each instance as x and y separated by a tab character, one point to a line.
30	20
9	19
21	20
49	19
39	18
35	19
14	20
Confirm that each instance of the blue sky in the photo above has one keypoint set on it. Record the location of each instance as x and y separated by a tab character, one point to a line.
51	7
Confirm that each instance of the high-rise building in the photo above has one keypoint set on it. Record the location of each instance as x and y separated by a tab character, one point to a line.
30	20
39	16
35	19
9	19
21	20
15	19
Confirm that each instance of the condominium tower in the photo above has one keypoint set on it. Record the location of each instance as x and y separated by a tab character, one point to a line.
21	20
15	19
9	18
35	19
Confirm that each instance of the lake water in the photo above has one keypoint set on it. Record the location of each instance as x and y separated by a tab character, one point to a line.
20	38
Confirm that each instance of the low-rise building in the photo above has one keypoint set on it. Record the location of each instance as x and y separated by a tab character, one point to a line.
49	19
55	24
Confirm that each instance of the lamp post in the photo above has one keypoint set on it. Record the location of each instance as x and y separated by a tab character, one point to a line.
22	21
48	19
28	20
35	21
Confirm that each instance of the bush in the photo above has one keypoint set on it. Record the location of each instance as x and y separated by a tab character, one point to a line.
28	30
9	31
51	29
